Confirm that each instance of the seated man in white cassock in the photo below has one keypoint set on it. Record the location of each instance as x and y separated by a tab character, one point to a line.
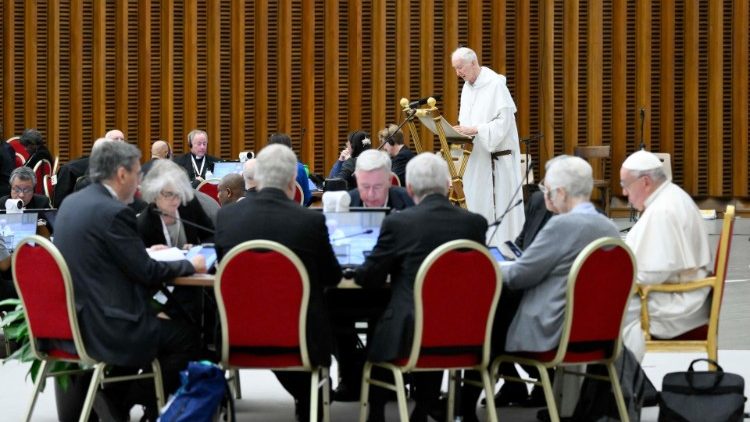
670	245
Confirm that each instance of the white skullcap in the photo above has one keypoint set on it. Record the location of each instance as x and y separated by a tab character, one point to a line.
642	160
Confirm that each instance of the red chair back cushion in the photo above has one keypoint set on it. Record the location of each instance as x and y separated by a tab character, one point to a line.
456	295
211	190
298	195
262	307
42	288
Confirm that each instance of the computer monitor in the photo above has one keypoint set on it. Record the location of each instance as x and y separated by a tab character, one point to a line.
222	168
353	234
17	226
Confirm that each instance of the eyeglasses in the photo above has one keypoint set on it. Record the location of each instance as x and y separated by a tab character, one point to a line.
627	185
168	194
23	191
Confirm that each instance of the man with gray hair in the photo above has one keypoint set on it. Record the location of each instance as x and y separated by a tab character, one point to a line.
530	314
114	279
22	184
374	189
272	215
493	171
670	244
198	164
406	238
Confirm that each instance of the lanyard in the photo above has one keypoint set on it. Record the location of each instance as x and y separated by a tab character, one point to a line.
167	236
198	172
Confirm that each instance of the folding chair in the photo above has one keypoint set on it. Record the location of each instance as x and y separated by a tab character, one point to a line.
453	314
41	169
264	316
44	285
599	286
705	337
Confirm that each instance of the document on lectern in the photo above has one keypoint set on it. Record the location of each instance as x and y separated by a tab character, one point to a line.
450	134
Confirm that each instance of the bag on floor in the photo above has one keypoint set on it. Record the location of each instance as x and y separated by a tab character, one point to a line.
203	393
704	396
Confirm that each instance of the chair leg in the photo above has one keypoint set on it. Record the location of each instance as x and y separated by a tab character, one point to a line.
549	395
326	394
617	391
40	376
96	380
158	384
452	378
403	410
235	375
314	380
364	391
489	392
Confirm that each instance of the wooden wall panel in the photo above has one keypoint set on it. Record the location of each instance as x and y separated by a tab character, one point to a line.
580	72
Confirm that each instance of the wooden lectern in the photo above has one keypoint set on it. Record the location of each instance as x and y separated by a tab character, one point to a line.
451	143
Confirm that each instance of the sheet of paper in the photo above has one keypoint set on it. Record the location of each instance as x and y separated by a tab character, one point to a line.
450	133
168	254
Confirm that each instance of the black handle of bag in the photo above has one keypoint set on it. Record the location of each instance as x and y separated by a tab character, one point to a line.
719	374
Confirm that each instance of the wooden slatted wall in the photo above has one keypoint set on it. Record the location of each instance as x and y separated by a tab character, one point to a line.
580	71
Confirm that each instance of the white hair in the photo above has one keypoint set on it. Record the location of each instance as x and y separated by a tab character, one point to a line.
573	174
166	174
373	159
426	174
275	166
466	54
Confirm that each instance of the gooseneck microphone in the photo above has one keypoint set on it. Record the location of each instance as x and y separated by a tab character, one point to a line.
362	233
500	220
189	223
423	101
409	116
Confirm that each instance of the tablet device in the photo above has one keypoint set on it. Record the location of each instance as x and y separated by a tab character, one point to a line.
495	252
207	250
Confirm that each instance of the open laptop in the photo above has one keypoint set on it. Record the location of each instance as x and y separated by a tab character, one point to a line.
222	168
17	226
353	234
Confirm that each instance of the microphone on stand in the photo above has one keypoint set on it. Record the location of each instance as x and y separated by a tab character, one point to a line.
643	120
368	231
189	223
423	101
500	220
409	116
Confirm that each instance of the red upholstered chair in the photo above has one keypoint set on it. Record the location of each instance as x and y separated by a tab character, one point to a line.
453	314
395	181
703	338
41	168
211	188
264	317
49	188
299	196
21	154
599	287
44	285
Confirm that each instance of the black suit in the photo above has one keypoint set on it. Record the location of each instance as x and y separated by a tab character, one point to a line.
147	166
185	161
406	238
114	280
37	202
271	215
399	161
537	216
398	198
67	177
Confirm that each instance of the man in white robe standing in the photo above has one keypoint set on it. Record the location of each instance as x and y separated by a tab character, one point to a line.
670	245
493	172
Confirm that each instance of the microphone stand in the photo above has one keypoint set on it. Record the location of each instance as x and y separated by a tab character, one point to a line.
511	205
189	223
412	112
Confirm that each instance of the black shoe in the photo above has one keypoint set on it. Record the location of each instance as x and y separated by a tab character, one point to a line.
108	410
510	394
344	393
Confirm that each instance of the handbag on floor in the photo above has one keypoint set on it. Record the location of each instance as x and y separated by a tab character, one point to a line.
704	396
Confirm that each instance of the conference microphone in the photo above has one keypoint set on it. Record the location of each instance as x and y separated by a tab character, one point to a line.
182	220
507	210
368	231
423	101
532	138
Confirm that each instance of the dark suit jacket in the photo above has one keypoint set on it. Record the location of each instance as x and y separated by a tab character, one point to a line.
67	177
113	277
406	238
272	216
37	202
398	163
537	216
40	154
147	166
398	199
152	233
185	161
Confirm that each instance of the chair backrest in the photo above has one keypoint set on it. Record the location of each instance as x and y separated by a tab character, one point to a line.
299	196
454	307
211	188
42	168
721	263
49	187
395	181
43	283
600	284
20	161
263	316
15	142
599	152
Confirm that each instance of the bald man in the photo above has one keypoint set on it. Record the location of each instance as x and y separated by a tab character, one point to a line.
115	135
231	189
248	173
160	150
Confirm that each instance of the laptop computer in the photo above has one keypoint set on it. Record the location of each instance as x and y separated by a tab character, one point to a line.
222	168
17	226
354	234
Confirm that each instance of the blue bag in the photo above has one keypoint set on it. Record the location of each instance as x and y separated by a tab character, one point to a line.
199	397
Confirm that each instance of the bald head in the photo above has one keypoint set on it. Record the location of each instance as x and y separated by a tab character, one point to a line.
99	143
115	135
248	172
231	188
160	150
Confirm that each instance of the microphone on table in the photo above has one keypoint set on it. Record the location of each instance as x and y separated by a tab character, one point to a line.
182	220
423	101
368	231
